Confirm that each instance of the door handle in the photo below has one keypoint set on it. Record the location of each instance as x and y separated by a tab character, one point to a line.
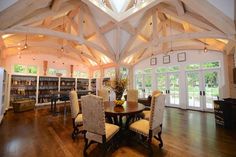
168	91
201	93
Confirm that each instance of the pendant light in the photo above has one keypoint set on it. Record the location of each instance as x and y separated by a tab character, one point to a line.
63	28
205	48
26	40
171	50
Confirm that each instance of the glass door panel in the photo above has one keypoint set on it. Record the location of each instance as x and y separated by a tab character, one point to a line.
147	85
211	85
139	84
161	82
193	87
174	89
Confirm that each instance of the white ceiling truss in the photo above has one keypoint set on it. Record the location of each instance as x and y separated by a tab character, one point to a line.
97	34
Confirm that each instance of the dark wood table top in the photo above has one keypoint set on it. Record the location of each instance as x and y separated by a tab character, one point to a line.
128	108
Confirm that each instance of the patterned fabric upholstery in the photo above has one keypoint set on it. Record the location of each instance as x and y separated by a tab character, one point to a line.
147	113
104	94
157	112
132	95
157	109
94	119
74	104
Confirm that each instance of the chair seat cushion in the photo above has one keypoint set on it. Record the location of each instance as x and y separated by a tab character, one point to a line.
147	114
79	119
110	130
141	127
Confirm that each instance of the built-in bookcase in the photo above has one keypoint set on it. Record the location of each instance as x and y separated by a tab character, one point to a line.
67	84
23	87
82	84
47	85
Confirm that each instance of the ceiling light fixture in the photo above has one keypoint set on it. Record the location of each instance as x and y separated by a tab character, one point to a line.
205	48
171	49
26	40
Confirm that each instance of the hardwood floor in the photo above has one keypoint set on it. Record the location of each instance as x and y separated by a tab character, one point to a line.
185	133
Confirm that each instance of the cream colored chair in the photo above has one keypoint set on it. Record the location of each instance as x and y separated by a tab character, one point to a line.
94	122
153	127
75	114
132	95
146	113
104	94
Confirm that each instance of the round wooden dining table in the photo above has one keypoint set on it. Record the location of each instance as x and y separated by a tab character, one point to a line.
128	109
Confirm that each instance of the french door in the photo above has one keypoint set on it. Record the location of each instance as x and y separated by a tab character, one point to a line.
202	89
143	84
168	83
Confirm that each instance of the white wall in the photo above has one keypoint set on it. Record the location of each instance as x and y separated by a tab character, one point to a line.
29	60
192	57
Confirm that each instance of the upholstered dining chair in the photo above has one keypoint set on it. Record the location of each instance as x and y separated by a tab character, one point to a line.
104	94
153	127
132	95
97	130
75	114
146	113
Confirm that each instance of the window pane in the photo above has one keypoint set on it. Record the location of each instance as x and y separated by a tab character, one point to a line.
83	75
162	70
193	67
19	68
211	65
97	74
32	69
148	71
124	72
109	72
52	71
63	72
173	69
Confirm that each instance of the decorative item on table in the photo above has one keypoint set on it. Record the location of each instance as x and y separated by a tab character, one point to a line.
119	102
118	85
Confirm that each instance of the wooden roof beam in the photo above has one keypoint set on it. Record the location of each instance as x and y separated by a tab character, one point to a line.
212	14
19	11
107	27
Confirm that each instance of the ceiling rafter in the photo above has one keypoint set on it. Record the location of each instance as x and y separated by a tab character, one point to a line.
22	9
110	52
131	40
207	10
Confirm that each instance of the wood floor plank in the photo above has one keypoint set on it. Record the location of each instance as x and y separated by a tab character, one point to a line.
37	133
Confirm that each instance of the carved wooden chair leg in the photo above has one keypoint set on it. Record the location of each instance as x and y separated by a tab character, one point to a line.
85	146
104	149
149	141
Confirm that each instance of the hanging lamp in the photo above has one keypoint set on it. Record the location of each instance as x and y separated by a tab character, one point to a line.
205	48
171	50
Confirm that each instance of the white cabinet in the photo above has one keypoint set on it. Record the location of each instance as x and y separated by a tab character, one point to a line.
3	91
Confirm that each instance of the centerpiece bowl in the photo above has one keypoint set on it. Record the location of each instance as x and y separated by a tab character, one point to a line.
119	102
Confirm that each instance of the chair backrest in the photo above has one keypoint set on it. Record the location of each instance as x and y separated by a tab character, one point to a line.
74	104
132	95
104	94
153	94
93	114
157	111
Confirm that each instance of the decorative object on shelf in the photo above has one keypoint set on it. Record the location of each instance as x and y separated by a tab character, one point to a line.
153	61
58	74
45	67
119	84
181	57
166	59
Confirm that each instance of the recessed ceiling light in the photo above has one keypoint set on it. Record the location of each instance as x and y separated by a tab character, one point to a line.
40	35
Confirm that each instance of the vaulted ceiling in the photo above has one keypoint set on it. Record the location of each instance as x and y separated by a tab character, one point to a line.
96	32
